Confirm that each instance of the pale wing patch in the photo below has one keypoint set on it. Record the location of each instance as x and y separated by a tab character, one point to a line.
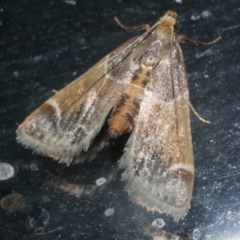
90	103
187	167
56	107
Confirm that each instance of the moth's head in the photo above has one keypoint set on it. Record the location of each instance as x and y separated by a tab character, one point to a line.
169	19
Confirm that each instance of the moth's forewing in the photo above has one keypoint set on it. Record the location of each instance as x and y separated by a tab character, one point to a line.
159	165
67	122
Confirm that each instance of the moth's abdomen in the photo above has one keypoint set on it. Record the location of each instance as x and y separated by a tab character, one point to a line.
125	113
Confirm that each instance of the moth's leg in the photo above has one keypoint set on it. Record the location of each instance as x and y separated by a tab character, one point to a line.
138	27
183	38
77	189
156	233
196	114
70	188
98	144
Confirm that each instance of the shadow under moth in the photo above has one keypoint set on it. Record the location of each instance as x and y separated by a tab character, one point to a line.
143	86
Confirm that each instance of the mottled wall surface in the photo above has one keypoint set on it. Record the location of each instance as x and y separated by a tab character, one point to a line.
44	46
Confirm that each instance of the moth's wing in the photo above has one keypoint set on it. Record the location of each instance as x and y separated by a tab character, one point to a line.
158	160
67	122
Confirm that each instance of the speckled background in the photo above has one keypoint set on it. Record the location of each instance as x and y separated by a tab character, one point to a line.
44	45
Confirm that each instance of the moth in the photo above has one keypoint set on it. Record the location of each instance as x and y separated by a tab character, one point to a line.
143	86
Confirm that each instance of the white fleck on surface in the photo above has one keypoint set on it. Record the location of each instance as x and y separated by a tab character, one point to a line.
158	223
70	2
6	171
41	221
206	14
33	167
206	76
46	198
195	16
196	234
45	217
101	181
208	52
178	1
32	222
16	74
109	212
82	41
38	58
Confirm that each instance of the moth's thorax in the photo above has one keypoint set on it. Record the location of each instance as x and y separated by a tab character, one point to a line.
164	33
169	19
